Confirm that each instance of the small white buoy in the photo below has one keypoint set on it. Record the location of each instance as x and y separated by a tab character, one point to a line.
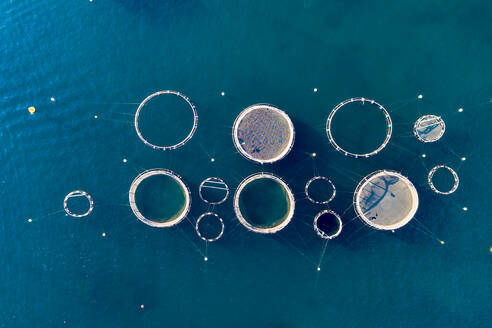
29	220
103	234
463	158
95	116
318	268
420	96
205	258
424	155
52	99
142	306
313	154
315	89
460	110
222	93
212	159
124	160
465	208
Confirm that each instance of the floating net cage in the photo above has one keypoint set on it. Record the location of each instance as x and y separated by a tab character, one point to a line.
431	183
429	128
173	183
327	224
316	190
362	101
209	227
213	191
263	133
385	200
264	203
182	142
75	195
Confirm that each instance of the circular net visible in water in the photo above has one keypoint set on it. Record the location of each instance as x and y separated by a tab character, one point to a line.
327	224
385	200
213	191
263	133
209	227
76	194
320	190
264	203
182	142
429	128
361	101
170	194
433	171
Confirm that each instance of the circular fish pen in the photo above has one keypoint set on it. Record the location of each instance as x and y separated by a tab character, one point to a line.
327	224
264	203
213	191
430	177
208	220
168	190
361	101
385	200
77	194
429	128
263	133
317	185
180	143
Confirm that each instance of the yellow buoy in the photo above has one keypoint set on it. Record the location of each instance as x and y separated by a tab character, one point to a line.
490	249
442	242
31	110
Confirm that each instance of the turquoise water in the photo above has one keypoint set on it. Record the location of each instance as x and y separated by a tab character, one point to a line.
104	57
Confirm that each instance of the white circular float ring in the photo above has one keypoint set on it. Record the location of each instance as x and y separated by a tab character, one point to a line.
323	234
453	173
197	228
311	199
389	127
182	142
148	173
219	184
78	193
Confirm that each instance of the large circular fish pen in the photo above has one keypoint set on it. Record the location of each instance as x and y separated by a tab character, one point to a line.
171	196
327	224
361	101
385	200
263	133
154	96
429	128
76	194
264	203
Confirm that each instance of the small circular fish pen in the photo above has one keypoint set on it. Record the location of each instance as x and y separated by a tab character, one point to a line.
263	133
315	189
438	168
75	195
209	227
327	224
213	191
264	203
164	189
155	96
385	200
429	128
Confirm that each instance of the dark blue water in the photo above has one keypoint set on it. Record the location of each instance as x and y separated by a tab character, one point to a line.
104	57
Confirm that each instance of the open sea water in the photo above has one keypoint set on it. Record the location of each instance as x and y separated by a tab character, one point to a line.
101	58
